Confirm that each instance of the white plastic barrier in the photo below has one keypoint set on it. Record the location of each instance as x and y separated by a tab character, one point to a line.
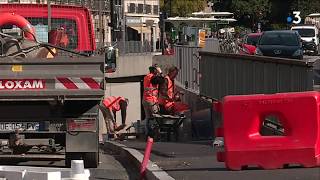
76	172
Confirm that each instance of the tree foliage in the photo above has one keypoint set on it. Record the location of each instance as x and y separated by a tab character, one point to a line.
255	9
247	12
182	7
306	7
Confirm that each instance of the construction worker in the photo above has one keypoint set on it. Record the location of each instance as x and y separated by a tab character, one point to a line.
150	91
109	107
167	96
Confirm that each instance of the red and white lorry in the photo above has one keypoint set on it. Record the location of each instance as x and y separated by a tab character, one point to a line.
51	83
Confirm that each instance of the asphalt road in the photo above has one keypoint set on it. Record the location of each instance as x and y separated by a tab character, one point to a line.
197	160
111	166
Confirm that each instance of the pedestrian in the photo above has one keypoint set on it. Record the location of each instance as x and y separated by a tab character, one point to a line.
109	107
168	97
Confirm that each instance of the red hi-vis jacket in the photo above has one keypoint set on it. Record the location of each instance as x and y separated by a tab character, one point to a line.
150	91
112	102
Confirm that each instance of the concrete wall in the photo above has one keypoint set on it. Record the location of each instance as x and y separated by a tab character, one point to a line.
132	92
132	65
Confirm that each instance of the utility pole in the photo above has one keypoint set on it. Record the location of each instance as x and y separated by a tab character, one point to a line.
49	15
123	23
118	23
113	19
101	31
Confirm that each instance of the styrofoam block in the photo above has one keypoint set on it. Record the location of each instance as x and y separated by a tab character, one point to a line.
42	176
44	173
12	175
77	170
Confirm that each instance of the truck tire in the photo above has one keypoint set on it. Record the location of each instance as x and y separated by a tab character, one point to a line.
91	159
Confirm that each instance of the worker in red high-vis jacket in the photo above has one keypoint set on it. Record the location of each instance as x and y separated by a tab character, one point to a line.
109	107
150	91
169	99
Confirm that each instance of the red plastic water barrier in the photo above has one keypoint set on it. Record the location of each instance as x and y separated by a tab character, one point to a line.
146	158
245	145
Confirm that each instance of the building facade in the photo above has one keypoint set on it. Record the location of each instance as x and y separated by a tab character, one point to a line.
141	20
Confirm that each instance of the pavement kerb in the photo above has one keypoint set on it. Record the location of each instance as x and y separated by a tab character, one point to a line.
154	172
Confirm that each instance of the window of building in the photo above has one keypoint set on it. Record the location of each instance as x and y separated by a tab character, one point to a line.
132	8
148	9
140	9
156	9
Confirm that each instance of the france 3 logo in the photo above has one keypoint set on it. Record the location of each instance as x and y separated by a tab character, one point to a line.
296	19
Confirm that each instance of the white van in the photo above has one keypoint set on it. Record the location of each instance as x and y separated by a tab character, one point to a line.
308	33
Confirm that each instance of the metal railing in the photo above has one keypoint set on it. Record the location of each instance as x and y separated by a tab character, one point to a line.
187	61
134	47
217	75
212	45
128	47
232	74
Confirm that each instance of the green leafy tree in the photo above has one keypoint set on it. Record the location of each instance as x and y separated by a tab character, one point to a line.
255	10
182	7
221	5
306	7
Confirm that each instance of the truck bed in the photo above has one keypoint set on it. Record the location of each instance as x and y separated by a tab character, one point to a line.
68	78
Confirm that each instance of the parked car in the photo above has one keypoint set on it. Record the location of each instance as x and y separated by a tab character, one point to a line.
281	43
248	46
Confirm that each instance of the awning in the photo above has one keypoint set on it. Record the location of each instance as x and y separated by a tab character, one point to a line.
140	29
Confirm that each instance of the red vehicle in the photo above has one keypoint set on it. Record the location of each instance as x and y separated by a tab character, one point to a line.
249	43
75	20
49	108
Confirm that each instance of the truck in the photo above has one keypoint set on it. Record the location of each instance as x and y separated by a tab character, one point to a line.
309	32
52	80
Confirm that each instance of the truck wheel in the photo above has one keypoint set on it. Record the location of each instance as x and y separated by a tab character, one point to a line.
91	159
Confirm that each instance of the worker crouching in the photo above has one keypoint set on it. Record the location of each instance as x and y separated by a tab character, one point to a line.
109	108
